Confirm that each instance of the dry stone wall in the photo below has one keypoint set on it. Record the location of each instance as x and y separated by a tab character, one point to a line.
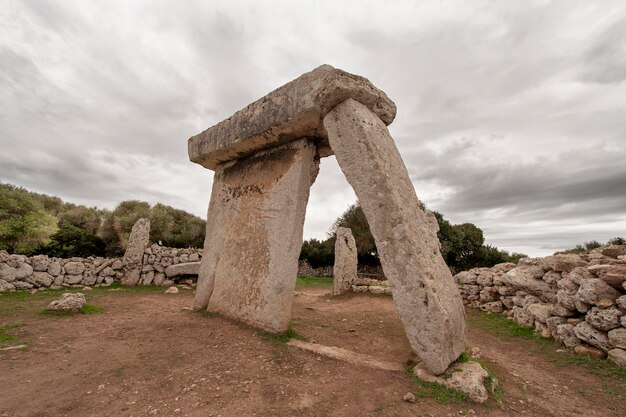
18	272
579	300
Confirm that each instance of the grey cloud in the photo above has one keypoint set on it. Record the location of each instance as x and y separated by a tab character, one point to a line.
510	116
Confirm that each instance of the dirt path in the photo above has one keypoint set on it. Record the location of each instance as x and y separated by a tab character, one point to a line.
148	355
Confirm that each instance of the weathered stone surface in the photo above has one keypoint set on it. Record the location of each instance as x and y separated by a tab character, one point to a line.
133	257
618	356
41	279
553	324
492	307
542	329
604	319
427	298
617	338
467	377
171	290
590	351
159	277
522	316
21	285
621	302
7	273
291	112
593	290
563	262
23	270
594	337
565	333
344	270
74	268
254	235
73	279
614	251
39	263
89	278
528	278
465	277
614	275
68	302
117	265
54	268
6	286
187	268
540	312
148	278
559	310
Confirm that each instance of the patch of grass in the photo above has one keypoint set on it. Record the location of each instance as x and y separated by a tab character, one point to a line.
314	282
205	313
441	394
500	325
282	338
464	357
86	309
5	336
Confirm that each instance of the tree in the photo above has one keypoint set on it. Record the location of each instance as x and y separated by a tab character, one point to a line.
24	224
176	228
117	225
70	241
318	253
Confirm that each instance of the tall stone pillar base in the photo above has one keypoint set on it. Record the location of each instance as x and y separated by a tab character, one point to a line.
254	235
428	301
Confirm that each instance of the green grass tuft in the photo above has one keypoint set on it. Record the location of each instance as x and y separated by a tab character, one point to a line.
441	394
500	325
464	357
5	336
314	282
86	309
282	338
205	313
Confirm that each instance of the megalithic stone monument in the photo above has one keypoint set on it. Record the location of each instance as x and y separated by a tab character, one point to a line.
266	157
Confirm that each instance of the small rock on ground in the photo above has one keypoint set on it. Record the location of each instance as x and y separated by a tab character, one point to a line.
171	290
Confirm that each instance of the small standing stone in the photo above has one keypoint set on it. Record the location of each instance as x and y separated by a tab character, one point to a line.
138	241
345	269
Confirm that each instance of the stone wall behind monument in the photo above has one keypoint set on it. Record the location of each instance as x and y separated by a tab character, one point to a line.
22	272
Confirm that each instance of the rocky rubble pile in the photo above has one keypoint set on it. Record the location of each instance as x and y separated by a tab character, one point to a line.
158	260
374	286
578	300
18	272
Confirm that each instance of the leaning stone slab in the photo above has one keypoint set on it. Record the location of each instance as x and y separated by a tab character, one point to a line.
187	268
254	235
137	243
291	112
427	298
345	268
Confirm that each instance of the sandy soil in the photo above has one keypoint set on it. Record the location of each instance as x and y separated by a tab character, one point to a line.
147	354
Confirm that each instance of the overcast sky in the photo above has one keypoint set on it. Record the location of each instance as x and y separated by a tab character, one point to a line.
511	115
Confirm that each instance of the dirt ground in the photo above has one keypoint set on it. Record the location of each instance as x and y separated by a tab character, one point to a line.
147	354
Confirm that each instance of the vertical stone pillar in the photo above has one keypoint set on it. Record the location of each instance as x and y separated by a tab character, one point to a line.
133	257
428	301
345	268
254	235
